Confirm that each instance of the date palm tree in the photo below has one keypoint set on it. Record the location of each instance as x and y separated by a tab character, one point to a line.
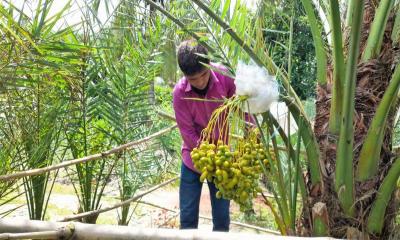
350	168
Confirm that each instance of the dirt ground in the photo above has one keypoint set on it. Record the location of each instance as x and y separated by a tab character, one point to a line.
169	198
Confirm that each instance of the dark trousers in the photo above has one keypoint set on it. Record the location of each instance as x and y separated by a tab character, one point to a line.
189	201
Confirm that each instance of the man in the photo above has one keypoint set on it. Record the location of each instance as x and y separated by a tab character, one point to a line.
192	117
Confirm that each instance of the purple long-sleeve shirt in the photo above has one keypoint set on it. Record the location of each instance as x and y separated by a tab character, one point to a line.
192	116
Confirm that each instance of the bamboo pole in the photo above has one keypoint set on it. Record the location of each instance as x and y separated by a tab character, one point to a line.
126	202
84	231
166	115
31	235
245	225
231	32
63	233
38	171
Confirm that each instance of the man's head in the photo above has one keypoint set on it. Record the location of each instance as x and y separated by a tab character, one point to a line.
191	63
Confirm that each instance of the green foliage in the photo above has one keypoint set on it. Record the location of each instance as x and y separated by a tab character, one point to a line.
72	92
276	34
261	217
7	189
33	78
125	92
75	91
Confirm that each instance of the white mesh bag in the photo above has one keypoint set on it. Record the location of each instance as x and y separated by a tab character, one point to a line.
260	88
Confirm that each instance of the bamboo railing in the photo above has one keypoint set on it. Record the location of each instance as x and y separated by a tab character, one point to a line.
38	171
31	229
123	203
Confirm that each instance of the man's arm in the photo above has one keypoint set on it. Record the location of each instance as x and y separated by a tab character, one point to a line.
185	122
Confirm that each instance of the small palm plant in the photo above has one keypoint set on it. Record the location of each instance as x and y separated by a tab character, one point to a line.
32	63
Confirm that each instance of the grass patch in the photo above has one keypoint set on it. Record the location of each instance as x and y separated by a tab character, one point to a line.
262	217
63	189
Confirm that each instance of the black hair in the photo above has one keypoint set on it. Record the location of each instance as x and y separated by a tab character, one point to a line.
189	60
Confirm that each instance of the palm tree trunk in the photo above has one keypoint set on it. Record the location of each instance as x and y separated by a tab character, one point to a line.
373	77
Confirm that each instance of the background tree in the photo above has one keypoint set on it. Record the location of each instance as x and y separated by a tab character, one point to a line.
276	34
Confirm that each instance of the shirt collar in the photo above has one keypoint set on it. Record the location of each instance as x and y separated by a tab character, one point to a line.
213	78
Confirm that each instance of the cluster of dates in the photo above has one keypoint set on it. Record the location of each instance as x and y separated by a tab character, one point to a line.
235	173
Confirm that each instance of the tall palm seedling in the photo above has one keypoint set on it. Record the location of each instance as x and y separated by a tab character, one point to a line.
85	131
7	138
8	190
33	77
130	68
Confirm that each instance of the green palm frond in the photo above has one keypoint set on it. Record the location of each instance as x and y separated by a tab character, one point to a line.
128	70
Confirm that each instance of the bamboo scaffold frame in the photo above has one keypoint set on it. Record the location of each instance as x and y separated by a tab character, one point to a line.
38	171
81	231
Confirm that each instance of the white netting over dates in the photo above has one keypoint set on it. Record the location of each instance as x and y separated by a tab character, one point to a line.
255	83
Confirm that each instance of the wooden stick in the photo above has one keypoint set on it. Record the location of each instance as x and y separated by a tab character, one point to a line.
33	235
166	115
30	235
63	232
126	202
245	225
38	171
